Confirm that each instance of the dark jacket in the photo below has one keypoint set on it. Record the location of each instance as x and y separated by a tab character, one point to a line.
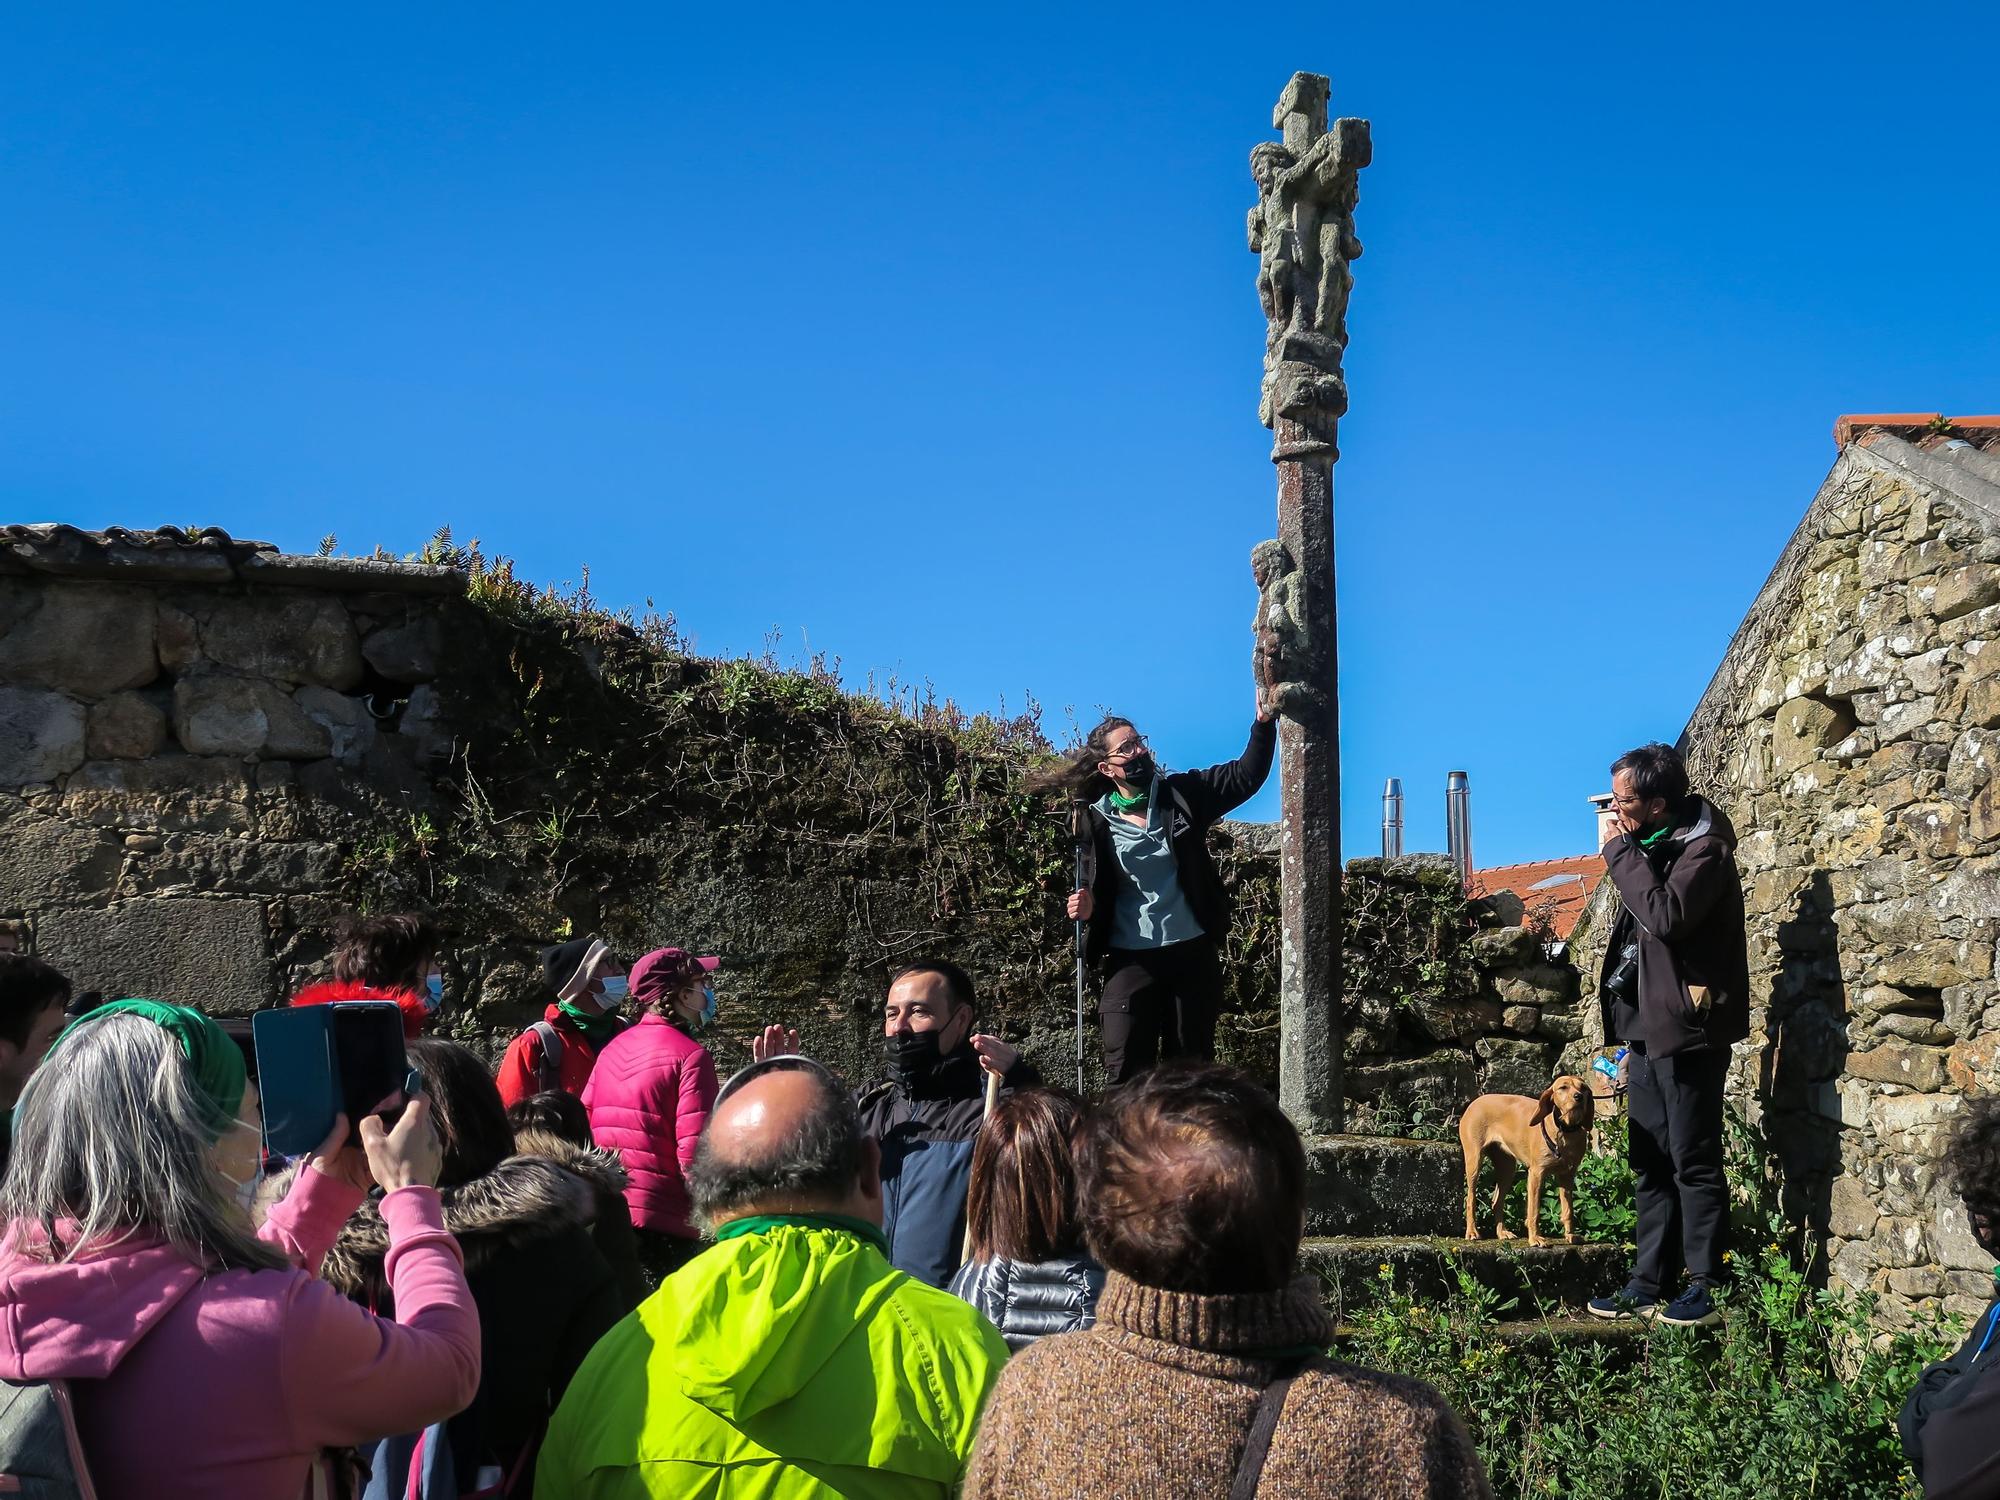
1683	903
1026	1300
926	1136
544	1292
1951	1422
1196	801
612	1228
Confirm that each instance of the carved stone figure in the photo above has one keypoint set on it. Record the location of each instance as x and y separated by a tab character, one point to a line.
1302	230
1282	657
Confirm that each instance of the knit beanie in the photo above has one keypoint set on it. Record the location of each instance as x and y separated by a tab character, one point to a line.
561	964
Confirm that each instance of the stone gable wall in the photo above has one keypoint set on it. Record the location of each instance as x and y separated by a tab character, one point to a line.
1852	734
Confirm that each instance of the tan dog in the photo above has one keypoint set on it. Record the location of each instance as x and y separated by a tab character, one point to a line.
1546	1135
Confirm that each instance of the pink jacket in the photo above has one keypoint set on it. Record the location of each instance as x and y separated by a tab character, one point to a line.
226	1386
648	1098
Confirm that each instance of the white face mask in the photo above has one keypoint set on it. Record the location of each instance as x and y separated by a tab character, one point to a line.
244	1189
246	1196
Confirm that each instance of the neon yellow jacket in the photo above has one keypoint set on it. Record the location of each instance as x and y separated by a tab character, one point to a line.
790	1361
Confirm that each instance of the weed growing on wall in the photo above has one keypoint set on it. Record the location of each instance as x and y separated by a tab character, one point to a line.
603	777
1406	940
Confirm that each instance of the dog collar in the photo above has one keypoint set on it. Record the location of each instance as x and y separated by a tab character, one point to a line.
1555	1140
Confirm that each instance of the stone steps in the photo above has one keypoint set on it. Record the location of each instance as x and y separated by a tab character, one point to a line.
1537	1279
1622	1342
1375	1201
1368	1185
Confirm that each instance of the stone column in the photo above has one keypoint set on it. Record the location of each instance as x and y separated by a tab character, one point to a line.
1302	231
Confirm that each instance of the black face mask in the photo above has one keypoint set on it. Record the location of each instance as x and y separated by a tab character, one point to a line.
913	1055
1139	770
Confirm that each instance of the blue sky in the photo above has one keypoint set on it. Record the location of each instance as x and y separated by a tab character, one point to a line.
927	335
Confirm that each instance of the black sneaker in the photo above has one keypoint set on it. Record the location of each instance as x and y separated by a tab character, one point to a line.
1693	1308
1631	1302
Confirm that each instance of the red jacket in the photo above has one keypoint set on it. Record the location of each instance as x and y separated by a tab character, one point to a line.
416	1014
648	1098
521	1069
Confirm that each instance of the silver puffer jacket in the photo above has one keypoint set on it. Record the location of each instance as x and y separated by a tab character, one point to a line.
1025	1300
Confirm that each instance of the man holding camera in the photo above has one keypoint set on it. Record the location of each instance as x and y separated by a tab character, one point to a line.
1675	988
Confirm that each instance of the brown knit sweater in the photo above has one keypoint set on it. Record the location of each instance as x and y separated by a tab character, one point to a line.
1157	1400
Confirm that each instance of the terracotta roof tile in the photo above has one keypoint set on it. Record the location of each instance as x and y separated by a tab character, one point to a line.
1558	888
1912	426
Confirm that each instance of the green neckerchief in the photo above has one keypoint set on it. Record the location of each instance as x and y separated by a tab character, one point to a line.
1126	804
759	1223
597	1029
1648	840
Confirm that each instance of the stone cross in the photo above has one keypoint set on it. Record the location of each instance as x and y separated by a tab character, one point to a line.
1302	231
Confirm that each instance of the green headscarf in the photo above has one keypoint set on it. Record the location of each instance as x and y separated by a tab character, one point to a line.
217	1062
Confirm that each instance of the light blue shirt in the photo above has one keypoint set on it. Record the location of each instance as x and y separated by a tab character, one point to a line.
1151	911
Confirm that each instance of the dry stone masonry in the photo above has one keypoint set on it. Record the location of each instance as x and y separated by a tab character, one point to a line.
1439	1012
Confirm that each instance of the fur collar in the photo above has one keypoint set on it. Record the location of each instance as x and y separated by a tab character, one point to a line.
525	1198
596	1166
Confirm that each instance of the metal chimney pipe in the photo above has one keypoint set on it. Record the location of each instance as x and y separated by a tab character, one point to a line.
1392	818
1458	822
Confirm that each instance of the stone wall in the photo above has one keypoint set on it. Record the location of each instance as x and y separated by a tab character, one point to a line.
1852	734
1445	1001
174	713
209	752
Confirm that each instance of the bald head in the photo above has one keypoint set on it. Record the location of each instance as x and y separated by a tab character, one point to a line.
753	1124
786	1141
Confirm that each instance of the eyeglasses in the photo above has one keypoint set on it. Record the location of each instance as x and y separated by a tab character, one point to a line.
784	1062
1127	750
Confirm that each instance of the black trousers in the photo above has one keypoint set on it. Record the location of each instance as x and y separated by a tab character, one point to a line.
1674	1107
1159	1003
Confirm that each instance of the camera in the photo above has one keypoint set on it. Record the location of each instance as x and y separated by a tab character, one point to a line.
1622	983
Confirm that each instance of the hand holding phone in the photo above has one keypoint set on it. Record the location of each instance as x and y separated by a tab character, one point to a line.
340	1161
408	1156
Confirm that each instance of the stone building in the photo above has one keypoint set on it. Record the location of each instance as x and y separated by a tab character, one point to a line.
1852	732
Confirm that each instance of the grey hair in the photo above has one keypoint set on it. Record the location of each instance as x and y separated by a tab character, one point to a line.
109	1142
820	1160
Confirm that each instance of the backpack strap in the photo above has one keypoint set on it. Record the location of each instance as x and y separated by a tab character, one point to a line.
548	1075
1257	1447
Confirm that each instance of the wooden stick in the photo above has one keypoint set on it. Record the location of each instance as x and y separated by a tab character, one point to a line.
985	1114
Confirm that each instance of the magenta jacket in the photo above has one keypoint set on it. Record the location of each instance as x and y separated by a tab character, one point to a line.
648	1098
225	1386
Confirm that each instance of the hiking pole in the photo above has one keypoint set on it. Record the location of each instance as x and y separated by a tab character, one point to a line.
1079	832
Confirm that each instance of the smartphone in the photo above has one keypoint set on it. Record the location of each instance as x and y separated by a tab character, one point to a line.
316	1061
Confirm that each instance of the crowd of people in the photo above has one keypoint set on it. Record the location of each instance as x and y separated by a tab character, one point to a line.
641	1281
600	1271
